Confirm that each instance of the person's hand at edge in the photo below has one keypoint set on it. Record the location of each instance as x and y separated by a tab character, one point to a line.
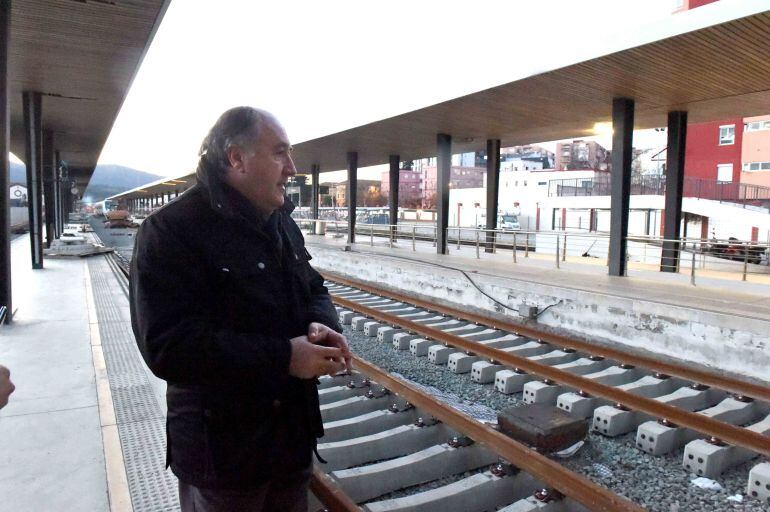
6	386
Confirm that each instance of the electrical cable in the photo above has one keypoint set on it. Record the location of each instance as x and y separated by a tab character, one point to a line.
470	280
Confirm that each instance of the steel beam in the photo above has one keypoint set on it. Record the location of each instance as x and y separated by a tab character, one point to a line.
6	297
622	140
393	180
443	178
352	193
57	194
493	189
49	202
32	102
677	135
315	174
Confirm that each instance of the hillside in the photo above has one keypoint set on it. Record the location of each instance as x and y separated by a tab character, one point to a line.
106	181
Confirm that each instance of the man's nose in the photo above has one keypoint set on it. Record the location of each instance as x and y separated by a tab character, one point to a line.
290	169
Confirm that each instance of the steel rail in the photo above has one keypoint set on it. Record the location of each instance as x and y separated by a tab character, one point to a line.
749	389
739	436
329	493
577	487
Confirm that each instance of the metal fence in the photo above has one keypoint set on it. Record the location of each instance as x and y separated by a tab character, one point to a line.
691	256
723	191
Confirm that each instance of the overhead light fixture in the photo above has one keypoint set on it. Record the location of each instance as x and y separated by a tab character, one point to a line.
602	129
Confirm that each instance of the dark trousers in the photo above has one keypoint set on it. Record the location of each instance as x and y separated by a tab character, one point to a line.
284	493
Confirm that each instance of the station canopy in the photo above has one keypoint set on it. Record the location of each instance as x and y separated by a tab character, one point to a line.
713	62
82	56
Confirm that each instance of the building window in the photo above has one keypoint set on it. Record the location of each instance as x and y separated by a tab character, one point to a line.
756	166
725	172
757	126
727	135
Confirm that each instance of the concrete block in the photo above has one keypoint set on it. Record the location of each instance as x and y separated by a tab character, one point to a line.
402	339
354	406
370	328
657	439
466	330
385	333
337	393
649	386
367	482
612	421
532	504
711	460
539	392
387	444
327	381
578	406
439	354
366	424
447	324
555	357
419	347
479	492
583	366
358	322
508	340
484	372
346	316
485	335
614	376
510	381
759	482
460	362
530	348
544	427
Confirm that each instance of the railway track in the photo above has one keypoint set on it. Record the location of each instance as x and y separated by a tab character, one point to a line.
391	446
715	422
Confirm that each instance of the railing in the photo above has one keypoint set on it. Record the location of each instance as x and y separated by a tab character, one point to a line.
708	258
600	185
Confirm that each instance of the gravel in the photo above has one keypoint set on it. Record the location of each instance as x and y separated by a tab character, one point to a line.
659	484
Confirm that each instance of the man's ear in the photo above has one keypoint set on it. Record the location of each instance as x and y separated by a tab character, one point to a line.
235	157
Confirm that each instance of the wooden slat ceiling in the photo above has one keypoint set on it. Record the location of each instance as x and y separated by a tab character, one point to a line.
718	72
82	56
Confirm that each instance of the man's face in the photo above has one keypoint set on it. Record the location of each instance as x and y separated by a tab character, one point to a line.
260	172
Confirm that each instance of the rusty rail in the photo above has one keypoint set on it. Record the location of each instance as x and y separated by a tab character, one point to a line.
329	493
699	376
577	487
739	436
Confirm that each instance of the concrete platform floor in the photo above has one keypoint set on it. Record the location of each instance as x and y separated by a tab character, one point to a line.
60	434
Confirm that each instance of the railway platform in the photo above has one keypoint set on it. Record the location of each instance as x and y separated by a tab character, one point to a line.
84	430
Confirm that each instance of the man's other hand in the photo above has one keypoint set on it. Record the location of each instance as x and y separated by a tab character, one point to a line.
6	386
322	335
309	360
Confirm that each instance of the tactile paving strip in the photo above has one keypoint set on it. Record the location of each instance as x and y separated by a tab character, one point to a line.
141	423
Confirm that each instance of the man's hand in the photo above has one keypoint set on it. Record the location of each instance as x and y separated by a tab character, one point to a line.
320	334
6	386
309	360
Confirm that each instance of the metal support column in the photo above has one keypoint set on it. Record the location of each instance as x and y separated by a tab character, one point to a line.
57	191
677	135
48	166
443	178
315	199
6	297
32	130
493	189
393	181
351	192
623	130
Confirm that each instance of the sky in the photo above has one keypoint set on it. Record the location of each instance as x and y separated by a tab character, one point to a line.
322	67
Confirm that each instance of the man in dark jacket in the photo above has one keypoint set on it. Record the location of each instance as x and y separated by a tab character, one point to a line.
226	308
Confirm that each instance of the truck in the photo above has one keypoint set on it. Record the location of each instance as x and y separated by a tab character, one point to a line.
508	219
